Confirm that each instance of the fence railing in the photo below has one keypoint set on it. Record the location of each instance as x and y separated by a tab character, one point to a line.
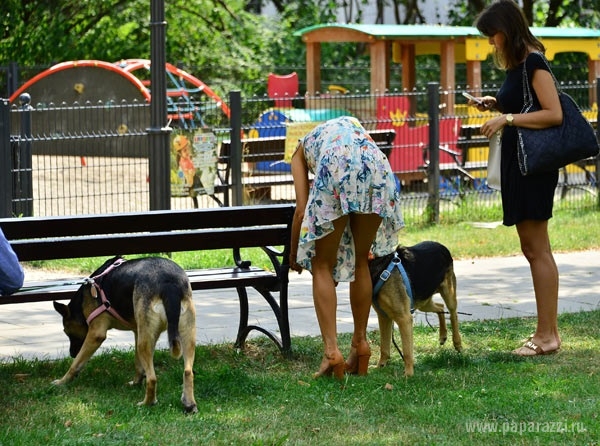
93	158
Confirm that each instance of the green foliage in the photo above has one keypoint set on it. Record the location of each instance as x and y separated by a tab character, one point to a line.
551	13
583	13
225	44
35	34
289	50
463	13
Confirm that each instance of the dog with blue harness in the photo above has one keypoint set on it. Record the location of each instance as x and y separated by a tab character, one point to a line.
405	281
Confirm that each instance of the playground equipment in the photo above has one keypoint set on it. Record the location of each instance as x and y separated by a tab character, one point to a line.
282	88
85	100
273	122
83	81
187	96
59	94
454	44
191	107
127	81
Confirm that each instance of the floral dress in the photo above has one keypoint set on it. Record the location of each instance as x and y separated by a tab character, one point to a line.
351	175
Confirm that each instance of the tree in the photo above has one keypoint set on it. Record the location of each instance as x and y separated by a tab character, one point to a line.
349	11
219	36
38	32
551	13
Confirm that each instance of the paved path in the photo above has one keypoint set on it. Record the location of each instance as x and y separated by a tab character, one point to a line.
488	288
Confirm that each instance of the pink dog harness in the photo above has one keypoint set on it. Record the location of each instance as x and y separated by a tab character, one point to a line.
104	302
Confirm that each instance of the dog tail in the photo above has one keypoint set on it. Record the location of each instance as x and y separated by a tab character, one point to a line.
172	301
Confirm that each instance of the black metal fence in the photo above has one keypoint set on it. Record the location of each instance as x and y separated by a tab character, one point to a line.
93	158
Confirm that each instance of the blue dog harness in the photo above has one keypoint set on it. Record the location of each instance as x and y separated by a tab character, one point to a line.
396	262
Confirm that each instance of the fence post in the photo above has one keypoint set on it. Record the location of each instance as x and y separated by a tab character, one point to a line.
159	162
5	160
22	162
433	169
235	161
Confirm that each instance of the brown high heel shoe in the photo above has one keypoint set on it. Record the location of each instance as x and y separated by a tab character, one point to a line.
358	361
332	365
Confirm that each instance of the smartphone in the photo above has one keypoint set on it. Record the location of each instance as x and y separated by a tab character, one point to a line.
472	98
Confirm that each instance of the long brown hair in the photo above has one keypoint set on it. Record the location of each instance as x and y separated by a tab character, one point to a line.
506	17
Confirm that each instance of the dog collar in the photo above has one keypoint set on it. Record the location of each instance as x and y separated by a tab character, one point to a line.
396	262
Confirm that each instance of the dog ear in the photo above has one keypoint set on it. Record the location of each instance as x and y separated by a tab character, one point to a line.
61	308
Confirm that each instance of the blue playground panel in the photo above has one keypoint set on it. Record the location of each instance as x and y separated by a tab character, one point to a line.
271	123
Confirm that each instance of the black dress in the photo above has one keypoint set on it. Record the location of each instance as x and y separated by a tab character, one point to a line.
523	197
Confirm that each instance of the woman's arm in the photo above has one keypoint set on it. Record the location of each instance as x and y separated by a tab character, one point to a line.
301	186
11	273
550	113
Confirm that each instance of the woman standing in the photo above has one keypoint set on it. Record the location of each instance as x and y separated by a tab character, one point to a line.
527	201
351	208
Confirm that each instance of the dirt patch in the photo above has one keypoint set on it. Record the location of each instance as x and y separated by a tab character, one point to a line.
73	185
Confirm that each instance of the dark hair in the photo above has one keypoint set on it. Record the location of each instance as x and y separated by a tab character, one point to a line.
506	17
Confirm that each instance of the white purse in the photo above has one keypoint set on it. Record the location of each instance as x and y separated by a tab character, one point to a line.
493	166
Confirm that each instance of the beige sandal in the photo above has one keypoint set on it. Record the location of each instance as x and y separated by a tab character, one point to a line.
536	349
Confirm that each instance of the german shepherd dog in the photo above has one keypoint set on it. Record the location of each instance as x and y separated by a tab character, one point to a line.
429	267
148	296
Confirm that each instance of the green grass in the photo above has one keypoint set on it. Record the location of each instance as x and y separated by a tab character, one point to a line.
256	397
570	230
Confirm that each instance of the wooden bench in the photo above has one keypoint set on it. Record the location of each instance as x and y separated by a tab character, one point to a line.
265	227
272	149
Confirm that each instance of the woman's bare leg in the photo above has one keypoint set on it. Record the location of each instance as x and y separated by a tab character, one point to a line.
535	245
364	228
324	293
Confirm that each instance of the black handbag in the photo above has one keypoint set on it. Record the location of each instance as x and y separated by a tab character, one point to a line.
545	150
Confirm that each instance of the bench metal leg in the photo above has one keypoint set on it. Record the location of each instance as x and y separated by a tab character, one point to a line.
244	329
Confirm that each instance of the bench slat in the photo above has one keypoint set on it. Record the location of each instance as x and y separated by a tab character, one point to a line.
210	280
158	242
154	221
207	279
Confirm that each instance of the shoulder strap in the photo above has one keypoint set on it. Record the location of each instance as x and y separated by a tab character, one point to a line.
527	95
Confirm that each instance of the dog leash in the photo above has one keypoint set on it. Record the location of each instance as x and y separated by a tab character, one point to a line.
396	262
105	304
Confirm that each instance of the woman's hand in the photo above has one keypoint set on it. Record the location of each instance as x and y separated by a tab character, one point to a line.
294	264
482	103
493	125
487	103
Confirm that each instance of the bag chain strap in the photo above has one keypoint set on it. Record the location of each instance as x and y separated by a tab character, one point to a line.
527	95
